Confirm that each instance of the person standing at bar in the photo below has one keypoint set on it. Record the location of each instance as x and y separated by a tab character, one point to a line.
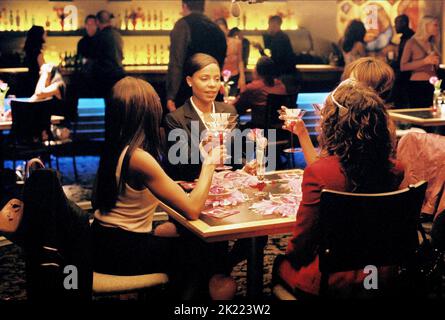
85	46
107	66
236	33
281	52
35	38
234	60
421	57
399	94
353	42
191	34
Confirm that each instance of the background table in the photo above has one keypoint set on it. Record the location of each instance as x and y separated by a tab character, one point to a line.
421	116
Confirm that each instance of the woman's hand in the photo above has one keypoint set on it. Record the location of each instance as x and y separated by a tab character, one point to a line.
432	59
213	154
297	127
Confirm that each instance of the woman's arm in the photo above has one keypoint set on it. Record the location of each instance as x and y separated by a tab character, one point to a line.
167	190
40	59
359	49
406	62
299	129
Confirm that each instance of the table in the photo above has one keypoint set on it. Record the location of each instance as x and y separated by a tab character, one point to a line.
246	224
7	124
421	116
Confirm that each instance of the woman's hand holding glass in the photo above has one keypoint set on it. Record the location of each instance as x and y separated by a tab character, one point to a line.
213	152
295	126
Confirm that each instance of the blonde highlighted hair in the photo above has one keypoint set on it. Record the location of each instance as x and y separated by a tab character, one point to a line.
372	72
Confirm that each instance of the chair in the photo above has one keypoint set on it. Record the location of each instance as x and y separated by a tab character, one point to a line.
55	233
365	229
423	158
267	117
31	132
368	229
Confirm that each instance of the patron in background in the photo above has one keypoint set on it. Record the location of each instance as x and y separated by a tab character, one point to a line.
399	94
236	33
85	46
50	84
264	82
357	148
234	60
187	38
279	45
34	58
421	57
107	67
353	42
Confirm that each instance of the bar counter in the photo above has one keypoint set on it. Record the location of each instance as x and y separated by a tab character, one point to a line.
314	77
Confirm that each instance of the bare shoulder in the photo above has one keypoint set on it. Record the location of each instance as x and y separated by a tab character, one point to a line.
142	161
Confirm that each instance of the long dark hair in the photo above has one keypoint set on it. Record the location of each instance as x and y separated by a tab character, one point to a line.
132	119
357	130
355	32
34	41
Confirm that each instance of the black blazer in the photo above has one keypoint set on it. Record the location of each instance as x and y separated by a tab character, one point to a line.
182	119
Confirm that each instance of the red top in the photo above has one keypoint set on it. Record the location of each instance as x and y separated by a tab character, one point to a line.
325	173
256	94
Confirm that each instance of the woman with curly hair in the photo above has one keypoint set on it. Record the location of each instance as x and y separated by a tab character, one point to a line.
353	43
356	156
371	72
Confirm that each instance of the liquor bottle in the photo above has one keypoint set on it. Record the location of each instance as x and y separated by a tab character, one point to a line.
11	21
244	21
148	55
33	20
17	20
155	20
155	56
26	26
161	20
161	54
126	19
47	23
148	20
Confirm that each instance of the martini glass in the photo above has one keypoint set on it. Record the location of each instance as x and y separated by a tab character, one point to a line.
220	125
290	117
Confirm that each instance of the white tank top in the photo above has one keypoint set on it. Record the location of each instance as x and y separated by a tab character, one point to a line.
134	209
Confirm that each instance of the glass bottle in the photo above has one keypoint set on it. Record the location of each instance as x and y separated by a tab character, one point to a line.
155	20
17	20
148	20
161	20
126	19
11	21
26	26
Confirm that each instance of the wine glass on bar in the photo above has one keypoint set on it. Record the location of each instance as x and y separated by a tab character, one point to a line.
290	117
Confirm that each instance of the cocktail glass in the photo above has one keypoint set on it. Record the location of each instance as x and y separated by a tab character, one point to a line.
290	117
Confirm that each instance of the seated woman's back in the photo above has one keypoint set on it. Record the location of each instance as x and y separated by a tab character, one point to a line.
265	82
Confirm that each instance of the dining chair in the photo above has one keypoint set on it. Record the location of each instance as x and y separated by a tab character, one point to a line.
359	230
55	234
31	133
